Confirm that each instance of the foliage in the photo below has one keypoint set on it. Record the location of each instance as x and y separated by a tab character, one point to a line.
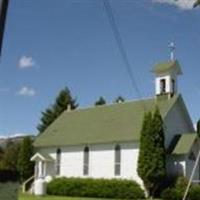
10	156
151	162
101	188
62	102
176	192
100	101
119	99
197	3
24	165
194	193
1	153
169	194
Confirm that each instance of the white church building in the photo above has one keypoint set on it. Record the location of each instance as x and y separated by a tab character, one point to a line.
103	141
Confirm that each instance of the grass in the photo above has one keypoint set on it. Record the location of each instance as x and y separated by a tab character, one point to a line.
32	197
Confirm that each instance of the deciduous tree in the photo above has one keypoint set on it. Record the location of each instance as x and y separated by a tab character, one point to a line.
10	156
24	165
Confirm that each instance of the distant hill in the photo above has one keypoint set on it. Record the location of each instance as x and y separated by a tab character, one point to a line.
14	139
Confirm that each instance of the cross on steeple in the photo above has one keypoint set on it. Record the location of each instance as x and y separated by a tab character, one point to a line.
172	51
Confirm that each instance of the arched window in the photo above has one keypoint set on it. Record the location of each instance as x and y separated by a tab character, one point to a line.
117	160
162	86
58	160
86	161
173	86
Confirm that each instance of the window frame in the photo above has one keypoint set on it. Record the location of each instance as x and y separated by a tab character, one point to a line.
86	157
117	160
163	86
58	161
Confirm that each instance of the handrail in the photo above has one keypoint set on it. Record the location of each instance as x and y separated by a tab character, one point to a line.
26	182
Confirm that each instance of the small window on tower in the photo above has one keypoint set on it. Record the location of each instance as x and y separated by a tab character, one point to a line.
162	86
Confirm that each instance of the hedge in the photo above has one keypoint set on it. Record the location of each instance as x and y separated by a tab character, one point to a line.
99	188
177	192
194	193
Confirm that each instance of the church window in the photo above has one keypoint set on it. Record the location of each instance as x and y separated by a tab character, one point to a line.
173	86
86	161
58	160
162	86
117	160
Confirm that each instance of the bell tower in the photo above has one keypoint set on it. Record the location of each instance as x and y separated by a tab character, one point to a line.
166	73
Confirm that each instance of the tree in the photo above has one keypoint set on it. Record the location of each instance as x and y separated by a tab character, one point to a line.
119	99
1	153
10	156
100	101
24	165
197	3
62	102
152	157
198	128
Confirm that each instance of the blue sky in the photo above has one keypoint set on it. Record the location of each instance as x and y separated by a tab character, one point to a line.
50	45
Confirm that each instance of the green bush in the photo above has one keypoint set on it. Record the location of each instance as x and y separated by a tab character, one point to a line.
102	188
194	193
177	192
169	194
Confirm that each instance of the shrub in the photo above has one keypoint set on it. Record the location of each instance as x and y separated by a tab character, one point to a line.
102	188
169	194
177	192
194	193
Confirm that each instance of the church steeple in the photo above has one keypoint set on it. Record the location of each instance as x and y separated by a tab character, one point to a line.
166	76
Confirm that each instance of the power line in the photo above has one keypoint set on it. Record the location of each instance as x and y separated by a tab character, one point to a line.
123	52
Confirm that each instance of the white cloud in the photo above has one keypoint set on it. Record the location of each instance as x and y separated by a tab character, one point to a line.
26	62
12	135
181	4
26	91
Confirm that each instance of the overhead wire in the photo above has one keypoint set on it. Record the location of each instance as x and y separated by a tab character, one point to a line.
121	48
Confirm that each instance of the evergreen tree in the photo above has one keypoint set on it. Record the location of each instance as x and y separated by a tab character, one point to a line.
24	165
145	151
62	101
119	99
100	101
151	163
198	128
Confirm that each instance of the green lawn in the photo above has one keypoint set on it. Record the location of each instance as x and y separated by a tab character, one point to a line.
31	197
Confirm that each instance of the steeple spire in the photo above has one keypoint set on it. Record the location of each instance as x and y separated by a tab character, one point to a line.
172	51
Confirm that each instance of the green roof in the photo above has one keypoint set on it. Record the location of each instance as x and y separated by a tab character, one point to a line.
167	66
101	124
185	143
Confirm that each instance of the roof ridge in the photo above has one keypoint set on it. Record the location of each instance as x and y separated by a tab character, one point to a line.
109	105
